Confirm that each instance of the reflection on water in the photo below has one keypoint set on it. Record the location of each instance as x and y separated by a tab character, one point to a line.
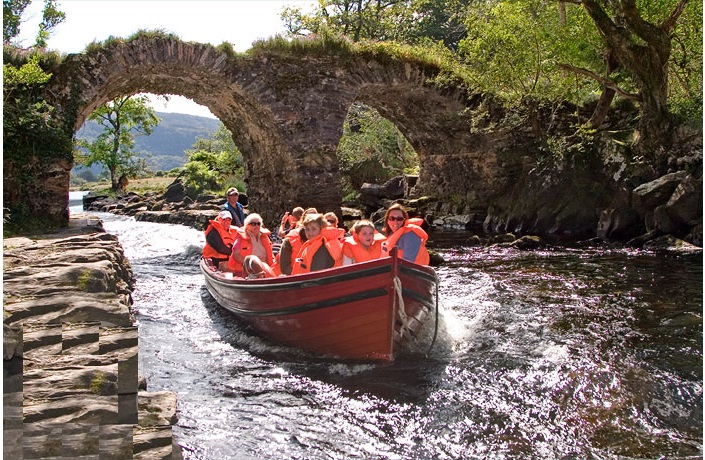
559	353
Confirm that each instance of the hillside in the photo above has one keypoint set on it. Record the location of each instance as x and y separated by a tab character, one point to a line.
165	147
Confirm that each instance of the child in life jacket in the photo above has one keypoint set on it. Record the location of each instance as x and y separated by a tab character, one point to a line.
364	244
318	252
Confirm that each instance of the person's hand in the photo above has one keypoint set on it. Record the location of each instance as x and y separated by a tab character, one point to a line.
286	216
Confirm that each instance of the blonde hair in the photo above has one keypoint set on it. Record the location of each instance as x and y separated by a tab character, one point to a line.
331	215
251	217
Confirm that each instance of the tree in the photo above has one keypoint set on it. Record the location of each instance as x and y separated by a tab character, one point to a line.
122	119
404	21
12	11
372	149
213	162
641	47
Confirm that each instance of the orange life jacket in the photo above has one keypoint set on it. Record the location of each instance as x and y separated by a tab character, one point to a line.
331	233
309	248
422	258
246	249
352	249
226	235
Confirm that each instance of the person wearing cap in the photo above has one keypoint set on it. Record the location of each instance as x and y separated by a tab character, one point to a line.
220	236
235	209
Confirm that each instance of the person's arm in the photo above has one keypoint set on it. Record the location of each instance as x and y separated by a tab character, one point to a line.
213	238
235	254
282	228
410	243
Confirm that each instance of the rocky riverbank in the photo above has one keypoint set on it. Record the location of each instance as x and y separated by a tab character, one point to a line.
665	213
71	385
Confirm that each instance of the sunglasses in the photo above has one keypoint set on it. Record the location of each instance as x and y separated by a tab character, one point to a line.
397	219
330	221
256	224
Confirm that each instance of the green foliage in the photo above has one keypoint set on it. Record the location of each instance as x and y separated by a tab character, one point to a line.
12	18
12	11
214	164
513	49
51	17
372	150
403	21
121	119
539	49
112	41
31	133
686	65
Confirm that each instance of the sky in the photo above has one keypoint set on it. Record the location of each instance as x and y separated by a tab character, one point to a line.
239	22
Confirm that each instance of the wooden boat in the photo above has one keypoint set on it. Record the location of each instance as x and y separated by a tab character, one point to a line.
365	311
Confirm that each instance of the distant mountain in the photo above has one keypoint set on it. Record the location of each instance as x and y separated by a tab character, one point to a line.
175	133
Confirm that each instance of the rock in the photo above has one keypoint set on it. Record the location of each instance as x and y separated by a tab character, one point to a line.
175	192
639	241
663	221
651	194
474	240
528	242
696	235
671	243
71	378
620	223
685	206
503	238
12	341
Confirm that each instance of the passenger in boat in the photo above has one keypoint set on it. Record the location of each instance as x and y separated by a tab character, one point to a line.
290	246
318	252
290	221
252	239
331	229
220	236
409	238
233	206
364	244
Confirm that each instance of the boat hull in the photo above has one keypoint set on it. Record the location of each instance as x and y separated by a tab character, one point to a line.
365	311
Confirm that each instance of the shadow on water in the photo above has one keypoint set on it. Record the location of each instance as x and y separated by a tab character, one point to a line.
408	379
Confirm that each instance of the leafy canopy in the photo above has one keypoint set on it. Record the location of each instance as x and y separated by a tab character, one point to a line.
122	119
214	164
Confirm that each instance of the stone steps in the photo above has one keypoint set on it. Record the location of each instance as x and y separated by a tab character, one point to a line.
70	371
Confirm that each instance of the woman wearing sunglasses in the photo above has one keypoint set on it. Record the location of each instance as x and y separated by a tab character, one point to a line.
408	238
252	241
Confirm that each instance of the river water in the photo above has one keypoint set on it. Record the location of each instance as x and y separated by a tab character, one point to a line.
560	353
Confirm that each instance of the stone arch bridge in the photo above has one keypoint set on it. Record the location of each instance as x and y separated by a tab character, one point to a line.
286	113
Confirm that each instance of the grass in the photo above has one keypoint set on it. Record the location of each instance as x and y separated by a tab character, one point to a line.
139	186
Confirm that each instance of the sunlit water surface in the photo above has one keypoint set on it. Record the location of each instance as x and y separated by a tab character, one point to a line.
548	354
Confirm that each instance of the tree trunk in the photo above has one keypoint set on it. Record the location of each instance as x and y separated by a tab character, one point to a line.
643	49
602	108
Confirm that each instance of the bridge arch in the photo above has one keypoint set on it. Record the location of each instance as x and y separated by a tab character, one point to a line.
286	111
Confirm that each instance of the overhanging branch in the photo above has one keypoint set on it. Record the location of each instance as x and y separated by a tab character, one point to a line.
608	83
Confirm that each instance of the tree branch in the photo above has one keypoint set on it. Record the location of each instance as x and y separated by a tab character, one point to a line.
608	83
670	22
